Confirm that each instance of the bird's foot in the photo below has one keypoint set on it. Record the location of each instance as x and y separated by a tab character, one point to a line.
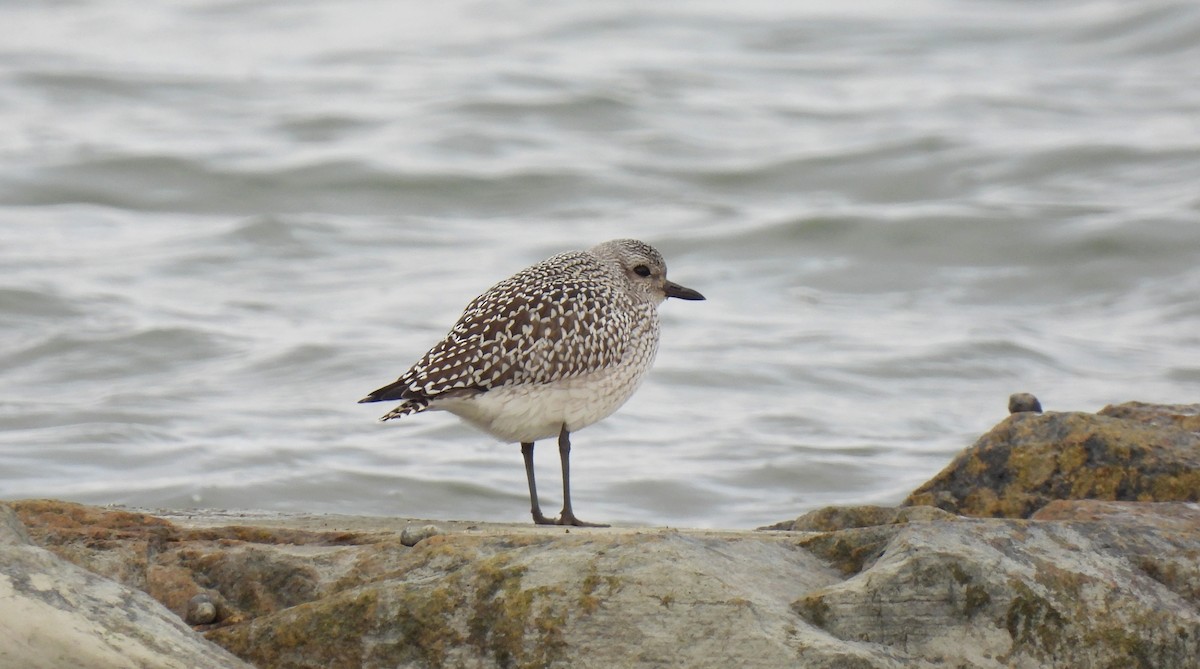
568	518
539	519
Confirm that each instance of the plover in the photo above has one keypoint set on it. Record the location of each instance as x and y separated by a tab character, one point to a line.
548	351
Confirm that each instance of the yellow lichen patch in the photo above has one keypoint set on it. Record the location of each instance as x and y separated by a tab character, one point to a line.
814	609
1183	486
1033	623
984	502
425	622
1025	463
273	536
306	630
171	585
525	540
974	466
850	550
590	596
834	518
1180	574
518	627
67	520
975	598
1030	467
1102	482
255	579
1071	457
588	601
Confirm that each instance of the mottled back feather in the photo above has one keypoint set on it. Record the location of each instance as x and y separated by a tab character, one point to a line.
564	317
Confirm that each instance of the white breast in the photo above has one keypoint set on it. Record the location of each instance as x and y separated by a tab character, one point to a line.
529	412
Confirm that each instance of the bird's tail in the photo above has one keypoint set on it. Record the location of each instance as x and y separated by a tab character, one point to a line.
409	407
412	402
400	389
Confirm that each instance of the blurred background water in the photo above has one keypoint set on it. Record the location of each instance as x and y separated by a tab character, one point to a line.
221	223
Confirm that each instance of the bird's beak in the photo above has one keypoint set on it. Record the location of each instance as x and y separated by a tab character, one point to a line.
673	289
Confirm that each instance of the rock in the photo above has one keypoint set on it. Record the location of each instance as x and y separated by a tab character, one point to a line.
1180	518
1131	452
12	530
56	614
1116	586
1085	583
527	598
201	610
247	571
1182	416
1022	402
411	536
831	518
1120	590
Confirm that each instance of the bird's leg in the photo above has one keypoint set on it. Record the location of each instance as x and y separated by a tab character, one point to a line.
535	509
567	517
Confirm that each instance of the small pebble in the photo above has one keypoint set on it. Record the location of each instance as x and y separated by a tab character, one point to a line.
201	610
412	535
1023	402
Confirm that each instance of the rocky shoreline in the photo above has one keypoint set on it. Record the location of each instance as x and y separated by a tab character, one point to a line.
1057	540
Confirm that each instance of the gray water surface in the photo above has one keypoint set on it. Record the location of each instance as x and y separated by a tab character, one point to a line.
223	223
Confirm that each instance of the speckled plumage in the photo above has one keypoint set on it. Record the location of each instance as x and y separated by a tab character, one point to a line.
548	351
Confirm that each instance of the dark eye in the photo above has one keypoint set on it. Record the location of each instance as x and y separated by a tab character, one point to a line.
641	270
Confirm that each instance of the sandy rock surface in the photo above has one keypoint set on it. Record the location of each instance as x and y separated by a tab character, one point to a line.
923	589
54	614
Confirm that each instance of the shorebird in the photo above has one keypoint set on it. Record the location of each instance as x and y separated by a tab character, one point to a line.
548	351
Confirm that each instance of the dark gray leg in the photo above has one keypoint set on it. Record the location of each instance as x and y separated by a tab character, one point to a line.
535	508
567	517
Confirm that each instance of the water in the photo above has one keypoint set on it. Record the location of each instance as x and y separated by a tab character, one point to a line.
223	223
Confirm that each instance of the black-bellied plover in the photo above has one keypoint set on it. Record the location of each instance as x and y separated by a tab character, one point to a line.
548	351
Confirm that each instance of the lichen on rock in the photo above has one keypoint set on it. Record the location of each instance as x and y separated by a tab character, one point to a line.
1125	453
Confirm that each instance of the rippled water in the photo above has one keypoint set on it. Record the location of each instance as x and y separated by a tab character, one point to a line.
223	223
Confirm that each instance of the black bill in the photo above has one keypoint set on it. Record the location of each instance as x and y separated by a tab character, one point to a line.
673	289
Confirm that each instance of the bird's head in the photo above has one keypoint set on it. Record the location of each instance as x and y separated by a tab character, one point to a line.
644	270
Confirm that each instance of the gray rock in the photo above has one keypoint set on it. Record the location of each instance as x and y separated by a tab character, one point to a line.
1023	402
1083	583
12	530
1091	586
58	615
584	599
1182	416
411	535
1128	453
201	610
832	518
1112	584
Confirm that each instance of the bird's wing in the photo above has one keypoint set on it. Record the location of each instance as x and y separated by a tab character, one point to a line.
538	326
507	338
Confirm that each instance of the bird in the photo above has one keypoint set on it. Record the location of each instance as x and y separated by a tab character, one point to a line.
546	352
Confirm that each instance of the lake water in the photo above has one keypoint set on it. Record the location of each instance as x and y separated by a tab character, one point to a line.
222	223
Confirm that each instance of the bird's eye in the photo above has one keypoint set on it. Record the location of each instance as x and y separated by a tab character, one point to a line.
641	270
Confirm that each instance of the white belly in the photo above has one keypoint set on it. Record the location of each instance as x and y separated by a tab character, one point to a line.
527	413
